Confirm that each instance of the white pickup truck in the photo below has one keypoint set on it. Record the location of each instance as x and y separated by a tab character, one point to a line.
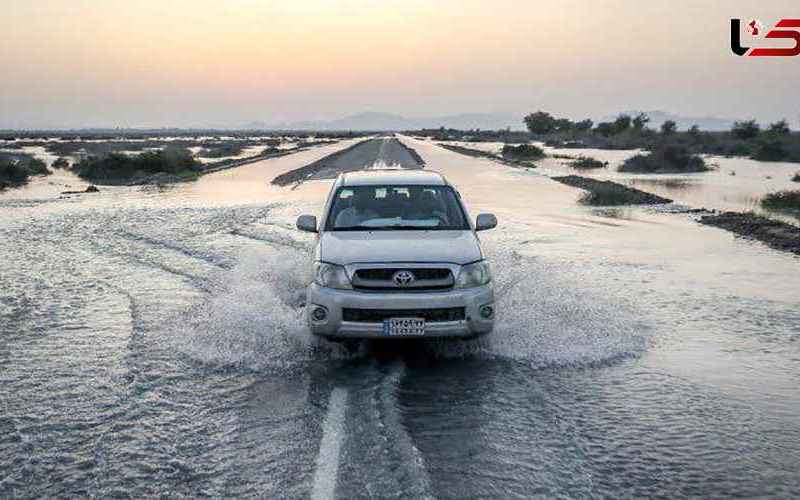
397	257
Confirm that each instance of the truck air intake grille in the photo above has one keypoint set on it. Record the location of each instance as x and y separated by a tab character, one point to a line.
383	279
378	315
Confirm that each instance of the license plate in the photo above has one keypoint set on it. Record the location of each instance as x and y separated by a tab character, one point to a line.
404	326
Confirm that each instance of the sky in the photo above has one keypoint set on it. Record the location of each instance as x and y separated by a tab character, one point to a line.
204	63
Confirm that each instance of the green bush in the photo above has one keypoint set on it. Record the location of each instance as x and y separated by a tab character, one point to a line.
586	163
584	125
771	151
665	159
222	150
739	149
11	173
606	129
640	121
117	167
34	167
782	200
522	152
540	122
780	128
17	172
745	129
669	127
61	162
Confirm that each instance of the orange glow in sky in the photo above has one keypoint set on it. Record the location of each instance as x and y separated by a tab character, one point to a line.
204	63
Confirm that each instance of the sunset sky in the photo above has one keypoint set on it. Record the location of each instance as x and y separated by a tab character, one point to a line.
71	63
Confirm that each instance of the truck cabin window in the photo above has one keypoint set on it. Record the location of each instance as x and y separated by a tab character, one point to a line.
374	208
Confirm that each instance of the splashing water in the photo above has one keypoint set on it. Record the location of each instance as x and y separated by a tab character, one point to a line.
253	317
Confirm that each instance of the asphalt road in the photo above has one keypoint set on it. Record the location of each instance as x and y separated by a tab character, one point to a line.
383	152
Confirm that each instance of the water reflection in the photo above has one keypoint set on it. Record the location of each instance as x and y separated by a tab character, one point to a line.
735	183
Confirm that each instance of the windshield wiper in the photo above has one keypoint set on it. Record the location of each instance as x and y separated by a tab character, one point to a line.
399	227
363	228
411	227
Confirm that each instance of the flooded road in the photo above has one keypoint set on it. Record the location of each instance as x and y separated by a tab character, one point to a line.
377	152
151	343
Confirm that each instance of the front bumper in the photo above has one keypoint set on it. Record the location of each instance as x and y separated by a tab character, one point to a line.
334	301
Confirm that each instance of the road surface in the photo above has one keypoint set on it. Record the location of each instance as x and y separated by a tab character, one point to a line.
379	152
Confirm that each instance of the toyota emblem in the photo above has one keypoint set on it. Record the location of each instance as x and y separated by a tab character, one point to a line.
403	278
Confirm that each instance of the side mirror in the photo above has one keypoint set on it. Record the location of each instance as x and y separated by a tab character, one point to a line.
485	221
307	223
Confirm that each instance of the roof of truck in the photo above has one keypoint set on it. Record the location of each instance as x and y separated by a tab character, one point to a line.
392	177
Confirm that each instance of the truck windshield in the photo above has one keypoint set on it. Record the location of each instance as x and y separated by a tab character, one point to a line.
374	208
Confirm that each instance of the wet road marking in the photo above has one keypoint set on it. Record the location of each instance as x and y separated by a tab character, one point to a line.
333	433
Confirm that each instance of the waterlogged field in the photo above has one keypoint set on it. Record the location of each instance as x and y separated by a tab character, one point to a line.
206	149
734	183
152	343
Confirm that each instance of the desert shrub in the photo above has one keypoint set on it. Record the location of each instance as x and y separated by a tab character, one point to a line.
622	123
779	128
640	121
739	149
665	159
745	129
116	167
564	125
61	162
17	172
607	193
34	166
770	151
605	129
540	122
221	150
782	200
12	173
586	163
522	152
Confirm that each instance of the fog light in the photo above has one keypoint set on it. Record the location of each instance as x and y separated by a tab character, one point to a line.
319	314
487	311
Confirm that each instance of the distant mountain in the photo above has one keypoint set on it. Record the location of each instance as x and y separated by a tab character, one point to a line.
708	123
388	121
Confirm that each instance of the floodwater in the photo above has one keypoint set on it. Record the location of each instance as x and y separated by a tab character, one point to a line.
151	344
733	183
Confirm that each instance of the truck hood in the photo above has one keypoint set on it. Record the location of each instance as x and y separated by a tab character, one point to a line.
350	247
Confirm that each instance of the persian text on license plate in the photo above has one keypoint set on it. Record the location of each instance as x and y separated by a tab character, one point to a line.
404	326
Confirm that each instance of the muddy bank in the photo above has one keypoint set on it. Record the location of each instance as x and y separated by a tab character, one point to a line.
477	153
385	152
776	234
610	193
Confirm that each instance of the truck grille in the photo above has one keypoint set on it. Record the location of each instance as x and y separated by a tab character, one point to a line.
378	315
424	279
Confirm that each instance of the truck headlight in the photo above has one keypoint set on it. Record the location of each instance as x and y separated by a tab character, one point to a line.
331	276
475	274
